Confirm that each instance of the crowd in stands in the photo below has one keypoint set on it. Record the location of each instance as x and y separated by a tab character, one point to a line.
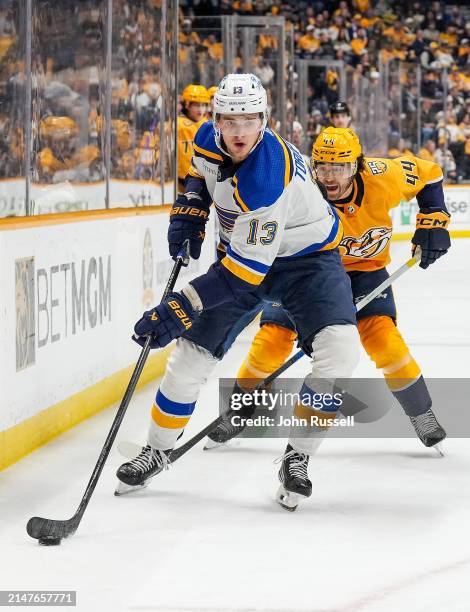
431	39
429	115
68	92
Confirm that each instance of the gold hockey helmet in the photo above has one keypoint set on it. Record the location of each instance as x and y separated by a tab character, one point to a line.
336	145
211	91
195	93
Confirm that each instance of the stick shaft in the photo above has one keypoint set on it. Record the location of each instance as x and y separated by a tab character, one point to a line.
181	260
38	527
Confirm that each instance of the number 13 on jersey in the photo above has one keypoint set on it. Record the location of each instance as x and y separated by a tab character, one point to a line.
270	229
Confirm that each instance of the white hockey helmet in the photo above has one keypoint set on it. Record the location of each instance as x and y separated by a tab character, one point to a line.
239	94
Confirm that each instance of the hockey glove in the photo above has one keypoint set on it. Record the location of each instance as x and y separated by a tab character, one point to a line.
167	321
188	218
431	235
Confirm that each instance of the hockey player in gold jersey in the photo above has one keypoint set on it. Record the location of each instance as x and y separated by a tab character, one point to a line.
362	191
195	99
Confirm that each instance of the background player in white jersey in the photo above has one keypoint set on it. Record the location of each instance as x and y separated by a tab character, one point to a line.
278	239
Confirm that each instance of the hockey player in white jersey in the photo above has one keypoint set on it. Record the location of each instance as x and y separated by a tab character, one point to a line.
278	239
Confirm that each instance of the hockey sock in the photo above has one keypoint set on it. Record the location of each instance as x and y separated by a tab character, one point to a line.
270	348
387	349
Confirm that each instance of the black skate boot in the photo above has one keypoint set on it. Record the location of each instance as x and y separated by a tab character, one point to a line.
428	429
226	429
294	479
135	474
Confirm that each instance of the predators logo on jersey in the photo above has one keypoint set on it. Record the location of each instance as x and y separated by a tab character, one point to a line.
377	167
371	243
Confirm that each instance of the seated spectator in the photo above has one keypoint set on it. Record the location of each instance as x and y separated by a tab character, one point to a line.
140	102
465	125
308	44
359	42
299	141
445	159
466	163
463	52
428	151
418	45
265	72
314	126
400	147
428	120
444	58
60	158
342	45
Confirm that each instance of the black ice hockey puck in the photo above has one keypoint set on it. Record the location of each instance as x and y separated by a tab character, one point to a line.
48	541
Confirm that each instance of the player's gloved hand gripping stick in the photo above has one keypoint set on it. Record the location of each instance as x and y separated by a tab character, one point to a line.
51	532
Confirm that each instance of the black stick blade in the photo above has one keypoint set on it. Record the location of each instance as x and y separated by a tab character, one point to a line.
39	528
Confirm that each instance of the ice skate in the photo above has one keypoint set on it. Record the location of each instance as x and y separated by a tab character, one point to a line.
136	474
226	430
293	475
429	431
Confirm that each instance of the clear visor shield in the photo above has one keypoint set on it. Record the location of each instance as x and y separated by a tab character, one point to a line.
325	171
240	126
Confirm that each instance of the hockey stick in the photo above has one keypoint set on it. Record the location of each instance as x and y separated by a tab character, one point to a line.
51	532
180	451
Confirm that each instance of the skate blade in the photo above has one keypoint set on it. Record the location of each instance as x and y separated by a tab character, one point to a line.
125	489
286	499
439	449
210	444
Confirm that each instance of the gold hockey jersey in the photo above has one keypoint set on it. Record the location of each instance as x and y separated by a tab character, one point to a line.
365	214
187	129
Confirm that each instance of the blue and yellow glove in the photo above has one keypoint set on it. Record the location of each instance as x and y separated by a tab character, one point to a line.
431	235
167	321
188	218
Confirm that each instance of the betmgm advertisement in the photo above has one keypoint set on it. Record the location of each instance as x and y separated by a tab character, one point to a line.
52	303
70	296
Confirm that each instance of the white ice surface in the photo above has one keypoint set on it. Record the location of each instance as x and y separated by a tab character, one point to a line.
385	530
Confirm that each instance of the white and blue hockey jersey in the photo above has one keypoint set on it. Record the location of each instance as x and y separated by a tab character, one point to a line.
268	205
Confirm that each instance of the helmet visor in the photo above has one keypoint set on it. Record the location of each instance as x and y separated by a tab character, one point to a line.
334	171
240	126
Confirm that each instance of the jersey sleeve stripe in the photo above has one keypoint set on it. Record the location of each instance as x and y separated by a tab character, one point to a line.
205	153
250	263
288	166
241	272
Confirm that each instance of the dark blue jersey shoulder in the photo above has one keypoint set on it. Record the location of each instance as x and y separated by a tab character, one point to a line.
266	172
204	144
